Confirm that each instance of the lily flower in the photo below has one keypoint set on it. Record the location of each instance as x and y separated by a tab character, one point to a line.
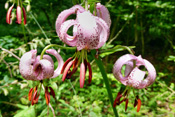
32	68
90	31
18	15
133	76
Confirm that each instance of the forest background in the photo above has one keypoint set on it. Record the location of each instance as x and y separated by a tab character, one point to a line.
146	25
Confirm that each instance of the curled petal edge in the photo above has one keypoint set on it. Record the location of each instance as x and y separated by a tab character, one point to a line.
64	14
104	32
103	13
59	59
70	40
118	65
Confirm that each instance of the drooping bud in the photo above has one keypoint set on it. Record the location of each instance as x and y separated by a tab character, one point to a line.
24	15
18	14
126	104
136	102
75	63
117	100
65	64
35	98
90	72
66	70
82	74
8	16
52	92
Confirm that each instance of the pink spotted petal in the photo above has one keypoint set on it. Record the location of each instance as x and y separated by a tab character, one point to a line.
87	31
129	68
151	75
118	66
59	59
26	65
104	33
64	14
47	57
103	13
43	69
8	16
70	40
18	15
135	77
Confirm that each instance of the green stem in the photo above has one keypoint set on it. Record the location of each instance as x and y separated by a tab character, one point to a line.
104	75
129	50
86	4
54	45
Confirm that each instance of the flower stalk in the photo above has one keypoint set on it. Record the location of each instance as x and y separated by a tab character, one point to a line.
104	75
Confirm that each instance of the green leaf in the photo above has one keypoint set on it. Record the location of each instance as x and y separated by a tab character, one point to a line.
45	112
75	2
22	106
67	105
28	112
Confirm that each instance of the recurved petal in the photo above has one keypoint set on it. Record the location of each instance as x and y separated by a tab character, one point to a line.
103	13
26	65
64	14
135	77
104	33
43	69
87	31
59	59
128	68
118	66
70	40
18	15
151	75
8	16
47	57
